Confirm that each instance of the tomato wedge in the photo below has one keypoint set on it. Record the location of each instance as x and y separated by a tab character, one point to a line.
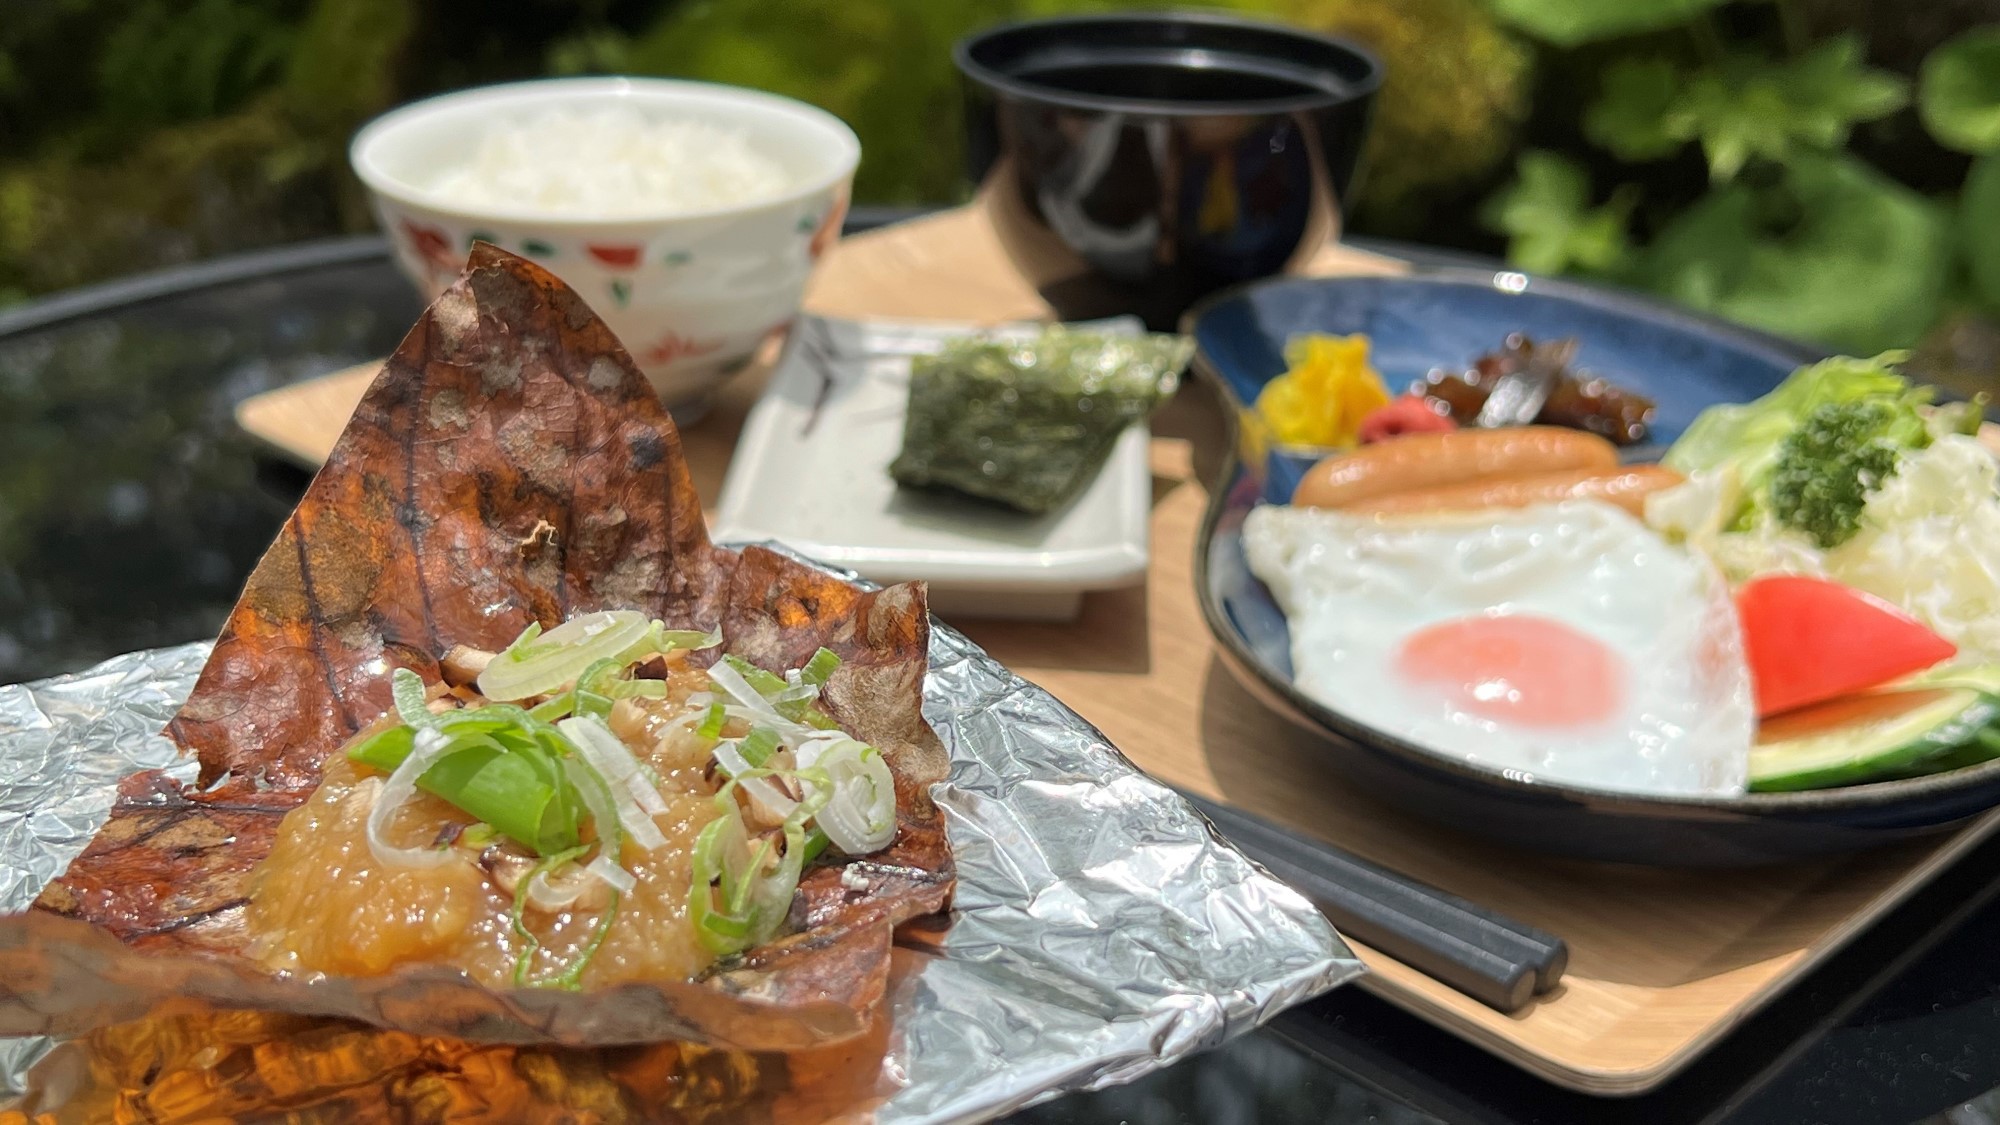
1809	640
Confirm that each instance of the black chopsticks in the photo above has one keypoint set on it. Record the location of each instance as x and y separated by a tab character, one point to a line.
1494	959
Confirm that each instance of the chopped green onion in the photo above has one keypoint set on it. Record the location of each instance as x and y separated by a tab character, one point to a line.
627	689
816	842
660	640
773	688
820	668
599	676
772	802
818	789
572	977
635	801
554	707
764	683
592	704
524	960
501	784
596	794
546	662
406	688
757	746
741	894
726	926
858	791
385	749
671	640
711	722
477	835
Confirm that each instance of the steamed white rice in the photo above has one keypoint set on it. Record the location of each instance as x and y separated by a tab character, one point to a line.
611	162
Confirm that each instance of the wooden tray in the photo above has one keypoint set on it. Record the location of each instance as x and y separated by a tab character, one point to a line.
1662	963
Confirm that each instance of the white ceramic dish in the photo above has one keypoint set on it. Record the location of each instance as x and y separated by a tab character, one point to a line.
812	470
692	293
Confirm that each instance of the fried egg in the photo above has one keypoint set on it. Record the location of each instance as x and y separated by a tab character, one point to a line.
1565	642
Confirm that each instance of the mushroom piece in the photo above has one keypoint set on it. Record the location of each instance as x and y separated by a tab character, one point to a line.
462	665
572	888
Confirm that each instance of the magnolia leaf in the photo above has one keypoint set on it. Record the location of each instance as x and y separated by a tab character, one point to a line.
1751	107
1959	91
1835	253
1569	23
1549	222
1979	226
1630	117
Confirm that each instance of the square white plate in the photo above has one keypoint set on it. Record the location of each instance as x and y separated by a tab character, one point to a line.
811	470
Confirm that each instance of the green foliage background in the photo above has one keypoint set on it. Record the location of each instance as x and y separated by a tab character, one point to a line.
137	133
1824	168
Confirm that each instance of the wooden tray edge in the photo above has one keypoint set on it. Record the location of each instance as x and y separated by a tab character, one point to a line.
1640	1079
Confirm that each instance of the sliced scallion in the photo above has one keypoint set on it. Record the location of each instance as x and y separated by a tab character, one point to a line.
627	689
558	706
571	978
524	961
710	726
757	746
860	796
820	668
509	783
406	689
547	662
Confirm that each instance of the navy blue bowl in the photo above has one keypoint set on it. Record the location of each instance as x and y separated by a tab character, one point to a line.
1446	318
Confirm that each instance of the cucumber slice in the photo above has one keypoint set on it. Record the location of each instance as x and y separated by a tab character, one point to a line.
1979	677
1872	737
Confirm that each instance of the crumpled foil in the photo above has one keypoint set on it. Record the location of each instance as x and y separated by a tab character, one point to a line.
1101	929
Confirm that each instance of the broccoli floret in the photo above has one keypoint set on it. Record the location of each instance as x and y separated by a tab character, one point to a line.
1826	467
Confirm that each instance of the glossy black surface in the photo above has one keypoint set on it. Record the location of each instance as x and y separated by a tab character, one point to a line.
1136	162
1445	317
1901	1027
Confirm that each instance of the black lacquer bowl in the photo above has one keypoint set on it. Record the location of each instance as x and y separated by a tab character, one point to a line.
1445	318
1133	163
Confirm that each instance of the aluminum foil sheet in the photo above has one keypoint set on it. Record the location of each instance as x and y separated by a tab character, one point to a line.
1101	929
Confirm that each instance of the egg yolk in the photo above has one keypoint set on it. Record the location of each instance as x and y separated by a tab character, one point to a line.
1519	669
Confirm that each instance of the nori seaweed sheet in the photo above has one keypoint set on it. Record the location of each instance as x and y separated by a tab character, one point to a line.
1028	423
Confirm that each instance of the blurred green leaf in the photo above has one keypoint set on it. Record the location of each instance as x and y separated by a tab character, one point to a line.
1569	23
1630	116
1735	117
1456	87
1959	91
344	72
1833	252
1750	106
1550	224
1831	88
1979	226
883	66
180	62
597	51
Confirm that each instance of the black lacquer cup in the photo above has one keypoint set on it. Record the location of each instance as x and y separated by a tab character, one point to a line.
1133	163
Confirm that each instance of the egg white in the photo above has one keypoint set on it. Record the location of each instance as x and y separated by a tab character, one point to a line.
1355	588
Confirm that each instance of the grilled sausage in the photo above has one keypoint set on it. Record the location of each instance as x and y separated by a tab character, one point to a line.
1422	461
1626	487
